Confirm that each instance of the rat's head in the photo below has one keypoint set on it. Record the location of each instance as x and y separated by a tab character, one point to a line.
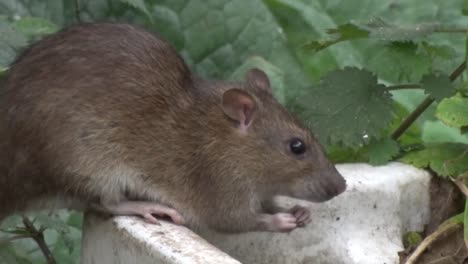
272	147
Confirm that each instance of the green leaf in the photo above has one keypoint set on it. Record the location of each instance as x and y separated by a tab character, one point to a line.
438	85
343	32
437	132
67	246
216	36
339	154
10	37
139	5
349	31
13	255
303	21
398	61
348	106
446	159
75	219
465	8
382	30
10	42
377	28
3	71
17	231
6	256
412	239
275	74
51	221
12	221
382	151
442	51
64	244
453	111
34	28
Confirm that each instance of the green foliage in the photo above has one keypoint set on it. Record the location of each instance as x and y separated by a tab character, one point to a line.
382	30
438	86
62	237
399	61
365	112
10	42
139	5
453	111
377	28
34	28
446	159
16	34
381	151
412	239
343	32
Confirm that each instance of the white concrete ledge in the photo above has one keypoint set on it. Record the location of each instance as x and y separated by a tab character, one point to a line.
362	226
129	240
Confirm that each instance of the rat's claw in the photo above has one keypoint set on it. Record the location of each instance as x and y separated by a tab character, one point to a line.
173	214
151	219
302	215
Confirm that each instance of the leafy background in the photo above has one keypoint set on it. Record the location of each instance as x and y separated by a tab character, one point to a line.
338	64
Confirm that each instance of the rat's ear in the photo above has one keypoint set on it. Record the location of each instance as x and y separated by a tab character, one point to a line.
258	78
239	106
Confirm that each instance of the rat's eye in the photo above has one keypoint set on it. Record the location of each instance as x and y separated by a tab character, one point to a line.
297	146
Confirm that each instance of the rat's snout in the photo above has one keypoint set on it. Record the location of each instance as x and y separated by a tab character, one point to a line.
331	184
336	186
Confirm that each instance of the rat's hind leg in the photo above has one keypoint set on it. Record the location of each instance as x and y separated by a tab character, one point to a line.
147	210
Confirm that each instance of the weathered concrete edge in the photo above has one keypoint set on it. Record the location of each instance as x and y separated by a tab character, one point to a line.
131	240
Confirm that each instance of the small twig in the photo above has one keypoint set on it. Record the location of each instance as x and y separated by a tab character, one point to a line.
9	239
38	236
458	71
424	105
445	228
451	30
404	86
77	11
412	117
461	185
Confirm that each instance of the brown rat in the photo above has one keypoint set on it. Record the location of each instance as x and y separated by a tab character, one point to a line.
108	115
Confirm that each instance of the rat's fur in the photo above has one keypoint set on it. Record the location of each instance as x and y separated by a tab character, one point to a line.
103	112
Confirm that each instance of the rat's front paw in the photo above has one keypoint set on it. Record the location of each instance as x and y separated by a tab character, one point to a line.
283	222
301	214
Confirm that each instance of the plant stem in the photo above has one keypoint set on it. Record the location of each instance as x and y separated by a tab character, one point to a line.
451	30
77	11
461	185
412	117
404	86
446	228
38	236
457	72
424	105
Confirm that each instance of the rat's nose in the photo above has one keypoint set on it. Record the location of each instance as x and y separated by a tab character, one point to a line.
341	186
337	185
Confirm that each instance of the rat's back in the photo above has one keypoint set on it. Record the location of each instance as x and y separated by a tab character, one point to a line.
72	98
